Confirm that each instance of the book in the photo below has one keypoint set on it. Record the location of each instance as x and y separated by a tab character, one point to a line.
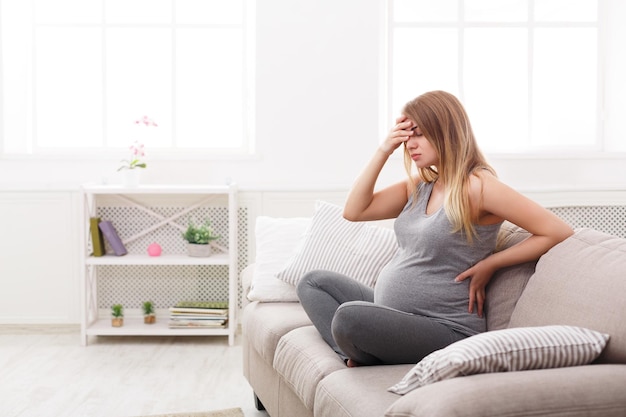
198	311
97	240
196	317
194	324
202	304
109	232
199	314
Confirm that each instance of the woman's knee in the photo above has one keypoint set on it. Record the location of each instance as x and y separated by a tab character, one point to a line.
318	278
349	320
310	280
352	334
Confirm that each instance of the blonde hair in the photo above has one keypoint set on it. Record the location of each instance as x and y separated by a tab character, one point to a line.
443	121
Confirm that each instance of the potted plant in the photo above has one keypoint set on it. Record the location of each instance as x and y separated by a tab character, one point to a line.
198	239
148	312
117	313
131	165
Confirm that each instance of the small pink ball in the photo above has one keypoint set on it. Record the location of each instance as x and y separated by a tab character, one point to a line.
154	249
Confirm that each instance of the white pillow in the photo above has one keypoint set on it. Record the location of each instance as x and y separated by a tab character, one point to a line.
277	239
355	249
505	350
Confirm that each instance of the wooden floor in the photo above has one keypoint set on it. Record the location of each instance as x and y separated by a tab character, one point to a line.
44	371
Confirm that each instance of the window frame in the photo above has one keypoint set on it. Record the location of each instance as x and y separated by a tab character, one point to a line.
599	146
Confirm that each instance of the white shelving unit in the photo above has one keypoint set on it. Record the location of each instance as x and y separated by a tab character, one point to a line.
96	320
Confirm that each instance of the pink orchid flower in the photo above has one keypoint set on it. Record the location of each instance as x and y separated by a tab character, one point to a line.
137	149
146	121
136	152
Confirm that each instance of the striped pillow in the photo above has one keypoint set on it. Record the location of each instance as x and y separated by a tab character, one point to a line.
506	350
355	249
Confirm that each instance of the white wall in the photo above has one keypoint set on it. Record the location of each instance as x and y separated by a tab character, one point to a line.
39	257
317	123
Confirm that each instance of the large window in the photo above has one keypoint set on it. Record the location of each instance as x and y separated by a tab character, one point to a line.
77	74
528	71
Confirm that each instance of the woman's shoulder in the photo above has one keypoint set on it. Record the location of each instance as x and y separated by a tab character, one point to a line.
480	180
483	185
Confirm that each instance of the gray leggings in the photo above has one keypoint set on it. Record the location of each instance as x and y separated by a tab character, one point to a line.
343	311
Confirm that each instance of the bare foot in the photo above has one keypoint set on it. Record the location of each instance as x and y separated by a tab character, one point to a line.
352	364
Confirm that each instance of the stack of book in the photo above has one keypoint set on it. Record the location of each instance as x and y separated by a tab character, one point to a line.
199	314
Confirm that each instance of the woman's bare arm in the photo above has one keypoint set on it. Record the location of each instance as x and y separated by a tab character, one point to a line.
365	204
502	202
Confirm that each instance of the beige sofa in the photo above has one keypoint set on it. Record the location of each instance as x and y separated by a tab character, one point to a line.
580	282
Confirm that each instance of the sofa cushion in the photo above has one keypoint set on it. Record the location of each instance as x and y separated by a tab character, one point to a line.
265	323
580	282
367	395
591	390
276	241
504	351
303	359
507	284
355	249
503	292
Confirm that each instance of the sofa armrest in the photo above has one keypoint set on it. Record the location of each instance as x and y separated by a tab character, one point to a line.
246	276
596	390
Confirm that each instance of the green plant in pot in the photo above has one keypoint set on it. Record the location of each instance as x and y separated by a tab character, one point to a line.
198	238
117	313
149	317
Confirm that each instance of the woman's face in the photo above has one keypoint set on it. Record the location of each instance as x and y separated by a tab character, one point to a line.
421	150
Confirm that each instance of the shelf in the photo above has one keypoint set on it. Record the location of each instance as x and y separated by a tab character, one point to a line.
177	259
138	203
158	189
136	327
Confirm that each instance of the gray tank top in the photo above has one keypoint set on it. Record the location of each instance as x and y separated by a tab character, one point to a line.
420	277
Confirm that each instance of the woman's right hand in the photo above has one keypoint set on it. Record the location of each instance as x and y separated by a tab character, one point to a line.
363	204
399	134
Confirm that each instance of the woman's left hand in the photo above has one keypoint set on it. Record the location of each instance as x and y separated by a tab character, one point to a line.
479	275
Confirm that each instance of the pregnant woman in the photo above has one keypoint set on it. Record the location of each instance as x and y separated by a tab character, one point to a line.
448	212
